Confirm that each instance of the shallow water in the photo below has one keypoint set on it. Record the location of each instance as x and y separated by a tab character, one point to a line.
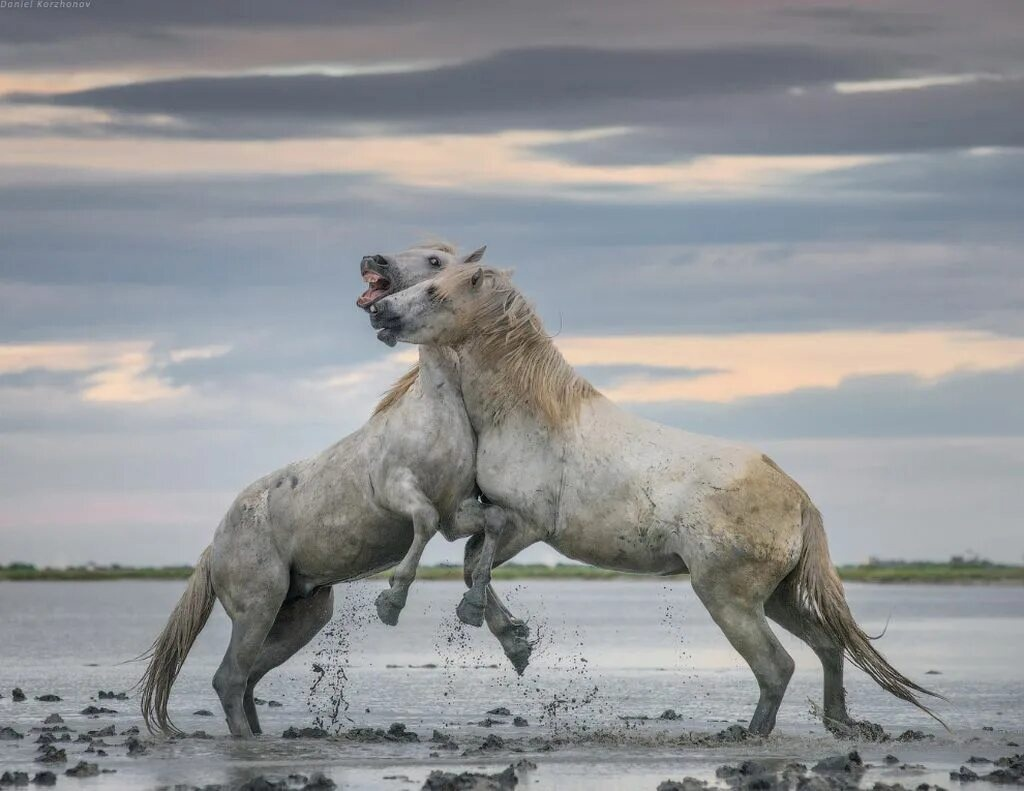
608	649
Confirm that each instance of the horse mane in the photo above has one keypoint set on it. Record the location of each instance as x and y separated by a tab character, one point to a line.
509	338
397	390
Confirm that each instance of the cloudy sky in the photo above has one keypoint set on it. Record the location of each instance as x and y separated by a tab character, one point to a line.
794	223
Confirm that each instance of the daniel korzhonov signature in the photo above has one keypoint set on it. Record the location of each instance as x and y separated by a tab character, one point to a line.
29	5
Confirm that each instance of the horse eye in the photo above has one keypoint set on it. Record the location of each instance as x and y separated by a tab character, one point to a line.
434	260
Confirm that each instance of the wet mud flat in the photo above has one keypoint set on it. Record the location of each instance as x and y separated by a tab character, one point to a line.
631	686
104	746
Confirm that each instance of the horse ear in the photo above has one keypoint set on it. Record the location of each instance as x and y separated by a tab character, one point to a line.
475	280
476	256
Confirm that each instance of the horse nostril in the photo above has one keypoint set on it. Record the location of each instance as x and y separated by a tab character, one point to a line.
381	260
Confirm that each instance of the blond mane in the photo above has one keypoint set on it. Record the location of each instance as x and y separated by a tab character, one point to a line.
397	390
508	338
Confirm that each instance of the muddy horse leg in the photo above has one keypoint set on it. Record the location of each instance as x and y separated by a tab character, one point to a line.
741	617
783	608
296	624
511	632
474	601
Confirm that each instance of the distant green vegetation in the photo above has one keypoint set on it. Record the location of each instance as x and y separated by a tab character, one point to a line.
26	571
956	571
975	571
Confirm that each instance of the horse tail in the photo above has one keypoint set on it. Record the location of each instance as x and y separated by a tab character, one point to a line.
168	652
820	595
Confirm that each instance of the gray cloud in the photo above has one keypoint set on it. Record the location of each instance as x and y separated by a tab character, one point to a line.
930	240
978	114
542	86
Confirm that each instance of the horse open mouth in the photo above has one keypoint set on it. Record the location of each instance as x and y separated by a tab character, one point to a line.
379	286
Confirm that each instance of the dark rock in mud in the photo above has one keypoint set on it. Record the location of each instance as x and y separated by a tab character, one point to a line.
17	695
471	781
443	741
51	755
734	733
492	742
202	713
520	722
49	698
99	733
851	763
933	672
859	730
83	769
135	746
500	711
305	733
198	735
686	784
132	731
274	704
1010	770
397	732
977	759
669	714
94	711
50	738
45	778
891	760
261	783
9	734
490	723
111	695
54	719
319	782
14	779
745	769
964	775
914	736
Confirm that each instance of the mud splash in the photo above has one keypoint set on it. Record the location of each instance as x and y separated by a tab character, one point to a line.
325	699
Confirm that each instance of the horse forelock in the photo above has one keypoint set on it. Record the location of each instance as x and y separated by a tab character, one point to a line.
437	244
508	338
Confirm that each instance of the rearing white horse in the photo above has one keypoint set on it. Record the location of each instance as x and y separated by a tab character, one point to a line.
611	489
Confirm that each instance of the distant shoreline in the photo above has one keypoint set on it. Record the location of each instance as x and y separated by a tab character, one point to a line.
970	573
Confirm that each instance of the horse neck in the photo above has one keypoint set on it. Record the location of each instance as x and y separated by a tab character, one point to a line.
437	367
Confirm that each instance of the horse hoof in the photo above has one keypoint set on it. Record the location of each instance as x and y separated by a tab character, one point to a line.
518	654
470	612
387	610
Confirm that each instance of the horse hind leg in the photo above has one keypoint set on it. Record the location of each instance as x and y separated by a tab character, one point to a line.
252	597
742	619
297	622
784	608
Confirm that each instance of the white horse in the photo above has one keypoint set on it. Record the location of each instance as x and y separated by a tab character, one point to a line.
371	500
610	489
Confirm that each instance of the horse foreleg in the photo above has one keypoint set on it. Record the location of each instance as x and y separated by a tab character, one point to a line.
405	496
513	633
471	608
